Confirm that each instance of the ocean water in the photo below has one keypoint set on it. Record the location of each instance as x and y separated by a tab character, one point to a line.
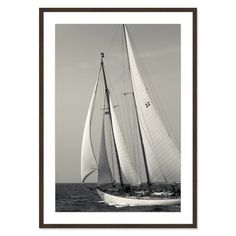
76	198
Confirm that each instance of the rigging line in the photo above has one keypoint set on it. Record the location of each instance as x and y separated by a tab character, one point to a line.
122	107
128	106
131	112
137	149
113	94
161	109
133	128
101	103
124	101
118	111
143	69
111	42
90	134
126	121
136	141
130	125
129	118
108	102
157	101
151	143
162	112
112	155
109	140
110	84
122	97
109	144
123	57
105	147
137	118
127	88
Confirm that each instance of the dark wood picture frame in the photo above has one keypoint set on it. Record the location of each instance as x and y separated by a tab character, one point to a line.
41	119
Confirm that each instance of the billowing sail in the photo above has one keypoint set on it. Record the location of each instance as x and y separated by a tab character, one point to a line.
127	167
88	160
104	172
162	155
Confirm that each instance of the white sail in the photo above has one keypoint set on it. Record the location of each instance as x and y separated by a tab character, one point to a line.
126	165
88	160
162	155
104	172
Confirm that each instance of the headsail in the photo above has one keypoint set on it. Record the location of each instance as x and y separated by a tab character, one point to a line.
162	155
88	160
104	172
127	167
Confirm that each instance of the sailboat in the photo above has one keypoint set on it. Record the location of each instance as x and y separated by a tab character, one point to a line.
160	153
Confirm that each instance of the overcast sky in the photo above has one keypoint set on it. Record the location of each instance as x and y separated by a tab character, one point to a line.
78	50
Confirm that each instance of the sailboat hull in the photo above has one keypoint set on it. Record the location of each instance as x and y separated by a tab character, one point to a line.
120	201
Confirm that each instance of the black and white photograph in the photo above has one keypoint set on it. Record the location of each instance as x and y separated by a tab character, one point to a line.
123	155
117	117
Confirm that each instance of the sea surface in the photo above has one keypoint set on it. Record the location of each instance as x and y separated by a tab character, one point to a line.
78	198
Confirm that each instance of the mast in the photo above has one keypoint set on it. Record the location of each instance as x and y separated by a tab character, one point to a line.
113	136
139	128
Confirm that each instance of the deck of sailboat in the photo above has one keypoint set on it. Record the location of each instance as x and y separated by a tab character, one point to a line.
162	191
146	197
124	200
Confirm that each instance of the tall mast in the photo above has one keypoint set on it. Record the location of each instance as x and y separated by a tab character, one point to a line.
139	128
113	136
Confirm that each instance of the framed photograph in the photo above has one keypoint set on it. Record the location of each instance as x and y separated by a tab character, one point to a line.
118	117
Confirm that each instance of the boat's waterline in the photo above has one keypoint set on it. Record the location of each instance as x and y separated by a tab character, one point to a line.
125	201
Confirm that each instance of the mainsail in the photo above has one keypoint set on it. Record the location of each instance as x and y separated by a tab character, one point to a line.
127	167
162	155
88	160
104	172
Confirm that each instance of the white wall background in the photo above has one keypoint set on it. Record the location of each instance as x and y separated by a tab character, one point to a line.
19	116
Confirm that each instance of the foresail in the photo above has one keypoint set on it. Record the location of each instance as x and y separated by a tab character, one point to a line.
127	167
104	172
88	160
163	157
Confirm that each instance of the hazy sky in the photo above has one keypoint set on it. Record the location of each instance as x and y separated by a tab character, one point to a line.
78	50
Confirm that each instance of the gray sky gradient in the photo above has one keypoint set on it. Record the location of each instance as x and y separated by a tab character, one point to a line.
78	50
